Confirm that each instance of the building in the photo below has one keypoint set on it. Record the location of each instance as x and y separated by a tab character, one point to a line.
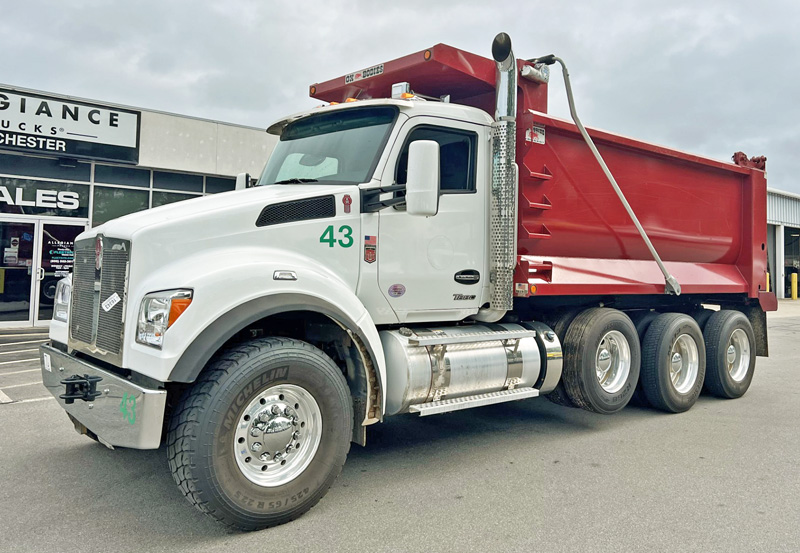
67	164
783	239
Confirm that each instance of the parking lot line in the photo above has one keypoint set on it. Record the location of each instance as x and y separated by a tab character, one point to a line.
20	372
20	385
17	351
34	399
19	361
4	398
26	342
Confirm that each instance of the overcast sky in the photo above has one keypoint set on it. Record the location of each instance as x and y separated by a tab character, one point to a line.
708	77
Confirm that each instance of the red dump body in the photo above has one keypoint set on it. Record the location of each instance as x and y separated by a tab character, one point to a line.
707	219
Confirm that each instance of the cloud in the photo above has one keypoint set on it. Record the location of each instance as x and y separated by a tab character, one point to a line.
708	78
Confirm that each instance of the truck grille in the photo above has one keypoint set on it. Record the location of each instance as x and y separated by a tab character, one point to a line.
96	329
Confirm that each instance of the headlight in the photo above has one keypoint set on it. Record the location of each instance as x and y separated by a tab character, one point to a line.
158	312
61	300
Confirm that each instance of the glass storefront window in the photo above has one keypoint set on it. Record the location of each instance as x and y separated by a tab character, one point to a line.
214	185
110	203
47	168
178	181
128	176
20	196
164	198
16	249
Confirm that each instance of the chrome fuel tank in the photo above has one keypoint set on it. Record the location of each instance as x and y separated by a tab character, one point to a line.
433	364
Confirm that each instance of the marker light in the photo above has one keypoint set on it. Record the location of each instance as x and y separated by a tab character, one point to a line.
427	55
350	100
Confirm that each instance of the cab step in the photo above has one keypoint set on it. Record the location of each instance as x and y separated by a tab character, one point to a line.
468	402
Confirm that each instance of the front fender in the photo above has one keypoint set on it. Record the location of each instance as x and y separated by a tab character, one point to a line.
230	300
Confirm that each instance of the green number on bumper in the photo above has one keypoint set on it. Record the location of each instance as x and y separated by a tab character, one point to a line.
128	408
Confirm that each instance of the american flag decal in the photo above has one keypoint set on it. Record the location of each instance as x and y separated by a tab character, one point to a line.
370	249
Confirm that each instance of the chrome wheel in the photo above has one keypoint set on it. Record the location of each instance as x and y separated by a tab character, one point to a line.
684	363
613	361
278	435
737	355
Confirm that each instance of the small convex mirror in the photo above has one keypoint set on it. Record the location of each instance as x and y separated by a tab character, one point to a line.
242	181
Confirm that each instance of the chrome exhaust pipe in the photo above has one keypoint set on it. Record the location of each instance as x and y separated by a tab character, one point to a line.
506	101
503	209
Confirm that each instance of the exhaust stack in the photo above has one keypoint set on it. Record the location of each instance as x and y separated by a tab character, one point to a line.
506	101
503	210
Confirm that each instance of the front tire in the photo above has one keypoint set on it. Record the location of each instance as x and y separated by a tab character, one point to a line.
262	434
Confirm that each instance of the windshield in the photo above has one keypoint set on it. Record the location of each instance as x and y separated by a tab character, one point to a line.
341	147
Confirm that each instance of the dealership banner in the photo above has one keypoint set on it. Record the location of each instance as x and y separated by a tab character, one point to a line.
44	124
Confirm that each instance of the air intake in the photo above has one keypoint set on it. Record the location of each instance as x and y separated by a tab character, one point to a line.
320	207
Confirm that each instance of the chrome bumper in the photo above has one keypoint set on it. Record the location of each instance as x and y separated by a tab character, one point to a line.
123	414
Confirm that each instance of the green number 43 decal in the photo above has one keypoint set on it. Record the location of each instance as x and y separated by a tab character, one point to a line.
345	240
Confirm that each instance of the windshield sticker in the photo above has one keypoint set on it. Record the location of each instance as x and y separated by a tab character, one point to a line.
370	249
397	290
373	71
346	201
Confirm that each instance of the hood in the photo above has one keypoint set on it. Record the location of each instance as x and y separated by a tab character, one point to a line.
237	210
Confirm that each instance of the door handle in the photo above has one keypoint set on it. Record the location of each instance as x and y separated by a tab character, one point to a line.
40	273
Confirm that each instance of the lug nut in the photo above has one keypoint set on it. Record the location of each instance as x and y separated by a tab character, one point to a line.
276	410
288	449
264	456
256	446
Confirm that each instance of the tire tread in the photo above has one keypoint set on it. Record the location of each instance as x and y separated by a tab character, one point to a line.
182	435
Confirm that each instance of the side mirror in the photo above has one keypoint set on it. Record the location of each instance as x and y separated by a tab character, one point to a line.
422	183
242	181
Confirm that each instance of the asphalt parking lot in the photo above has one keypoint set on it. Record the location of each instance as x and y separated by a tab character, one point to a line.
524	476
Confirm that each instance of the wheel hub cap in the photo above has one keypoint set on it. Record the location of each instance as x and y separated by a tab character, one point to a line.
731	355
278	434
684	364
613	361
738	355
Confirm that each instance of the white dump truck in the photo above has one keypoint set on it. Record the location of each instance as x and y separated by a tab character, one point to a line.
429	240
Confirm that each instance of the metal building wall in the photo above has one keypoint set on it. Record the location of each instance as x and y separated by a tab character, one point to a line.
783	208
783	211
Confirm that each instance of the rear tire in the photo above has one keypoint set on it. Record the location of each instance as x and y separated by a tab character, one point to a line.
560	325
673	362
730	354
247	445
641	320
601	360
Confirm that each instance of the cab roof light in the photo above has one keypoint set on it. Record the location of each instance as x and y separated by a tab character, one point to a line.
351	100
402	91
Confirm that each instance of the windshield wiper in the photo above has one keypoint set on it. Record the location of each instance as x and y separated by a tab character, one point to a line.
295	181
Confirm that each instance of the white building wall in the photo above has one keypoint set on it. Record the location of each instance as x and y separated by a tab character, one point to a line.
199	146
